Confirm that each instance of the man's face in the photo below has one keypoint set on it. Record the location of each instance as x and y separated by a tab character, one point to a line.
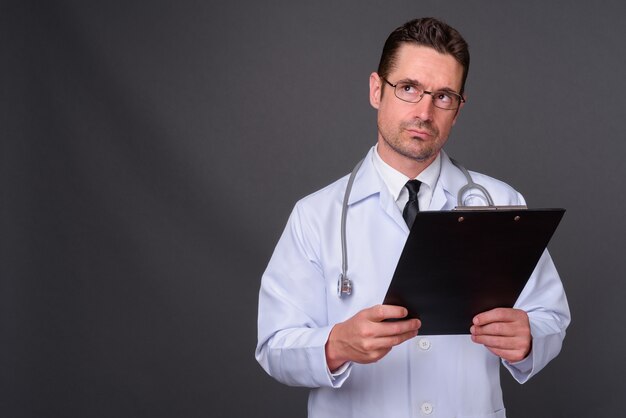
410	133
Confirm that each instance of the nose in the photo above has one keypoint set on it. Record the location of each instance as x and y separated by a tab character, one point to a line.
425	108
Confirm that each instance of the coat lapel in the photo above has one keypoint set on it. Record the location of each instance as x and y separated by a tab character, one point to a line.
450	181
367	183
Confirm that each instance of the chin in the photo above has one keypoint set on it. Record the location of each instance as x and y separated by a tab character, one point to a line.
420	155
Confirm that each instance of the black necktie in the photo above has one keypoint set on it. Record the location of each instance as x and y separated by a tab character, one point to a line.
412	206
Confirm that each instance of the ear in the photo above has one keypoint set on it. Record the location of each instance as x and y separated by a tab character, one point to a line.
459	109
375	90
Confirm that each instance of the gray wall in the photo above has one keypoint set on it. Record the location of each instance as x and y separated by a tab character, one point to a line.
152	151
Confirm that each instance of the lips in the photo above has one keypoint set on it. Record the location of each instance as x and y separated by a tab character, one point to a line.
420	133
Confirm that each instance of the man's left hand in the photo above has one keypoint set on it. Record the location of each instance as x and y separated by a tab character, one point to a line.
504	331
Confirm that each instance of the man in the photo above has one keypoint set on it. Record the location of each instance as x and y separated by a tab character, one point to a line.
357	364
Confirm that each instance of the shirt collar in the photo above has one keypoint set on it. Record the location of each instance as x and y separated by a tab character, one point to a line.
395	180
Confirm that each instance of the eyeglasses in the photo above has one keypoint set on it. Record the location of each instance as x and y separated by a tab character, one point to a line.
413	93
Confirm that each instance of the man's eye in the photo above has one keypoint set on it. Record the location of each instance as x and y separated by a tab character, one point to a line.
443	97
409	88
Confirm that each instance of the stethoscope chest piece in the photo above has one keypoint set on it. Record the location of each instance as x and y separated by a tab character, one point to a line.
344	286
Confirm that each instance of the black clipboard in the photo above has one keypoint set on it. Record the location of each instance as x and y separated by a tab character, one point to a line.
456	264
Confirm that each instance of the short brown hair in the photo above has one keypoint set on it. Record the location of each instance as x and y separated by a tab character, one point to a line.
428	32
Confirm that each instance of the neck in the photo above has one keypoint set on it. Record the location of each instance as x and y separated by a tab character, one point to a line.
410	167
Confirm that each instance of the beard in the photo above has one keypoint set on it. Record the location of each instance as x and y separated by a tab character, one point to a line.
414	147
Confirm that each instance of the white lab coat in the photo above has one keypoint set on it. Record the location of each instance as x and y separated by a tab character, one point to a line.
437	376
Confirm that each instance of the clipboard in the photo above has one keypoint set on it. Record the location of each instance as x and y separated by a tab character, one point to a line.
456	264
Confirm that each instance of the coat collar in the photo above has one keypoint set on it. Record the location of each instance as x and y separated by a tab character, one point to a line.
367	183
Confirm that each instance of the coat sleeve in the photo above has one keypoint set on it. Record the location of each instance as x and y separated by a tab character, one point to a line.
292	317
544	300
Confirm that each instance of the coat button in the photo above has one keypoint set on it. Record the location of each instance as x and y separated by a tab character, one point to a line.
427	408
424	343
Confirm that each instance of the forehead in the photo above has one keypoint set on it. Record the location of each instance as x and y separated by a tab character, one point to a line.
424	64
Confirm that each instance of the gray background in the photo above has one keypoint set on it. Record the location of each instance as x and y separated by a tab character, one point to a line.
152	151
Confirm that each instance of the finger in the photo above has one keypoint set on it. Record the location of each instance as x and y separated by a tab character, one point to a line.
379	313
498	315
511	356
373	349
490	341
385	329
506	329
386	343
502	343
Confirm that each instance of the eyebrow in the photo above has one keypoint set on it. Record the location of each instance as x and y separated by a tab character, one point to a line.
416	82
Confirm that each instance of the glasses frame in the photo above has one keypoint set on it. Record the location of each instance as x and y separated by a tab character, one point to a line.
432	94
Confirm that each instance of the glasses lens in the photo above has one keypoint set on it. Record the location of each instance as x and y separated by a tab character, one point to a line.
409	92
413	93
445	100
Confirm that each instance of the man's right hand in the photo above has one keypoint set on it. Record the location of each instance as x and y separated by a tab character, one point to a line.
365	338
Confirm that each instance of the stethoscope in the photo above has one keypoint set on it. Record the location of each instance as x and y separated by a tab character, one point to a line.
344	285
